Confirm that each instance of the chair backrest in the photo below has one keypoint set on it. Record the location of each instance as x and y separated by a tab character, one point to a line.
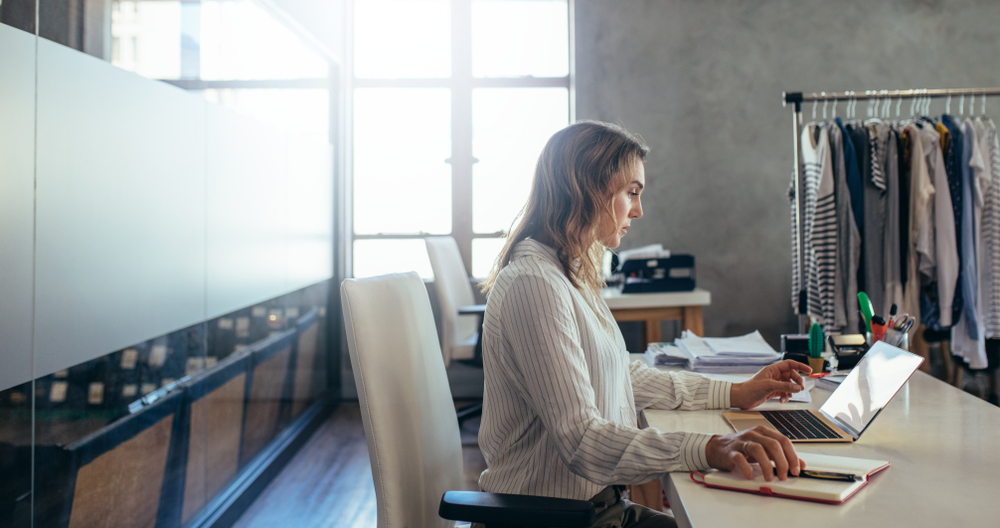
266	394
216	399
406	405
119	474
454	291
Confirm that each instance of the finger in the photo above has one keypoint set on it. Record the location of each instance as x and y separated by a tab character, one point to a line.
777	453
784	386
801	367
741	464
795	464
759	455
795	376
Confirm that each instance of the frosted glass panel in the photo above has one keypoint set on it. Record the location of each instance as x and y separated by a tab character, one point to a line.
402	183
402	38
378	257
17	182
510	128
300	112
520	38
310	212
120	251
247	207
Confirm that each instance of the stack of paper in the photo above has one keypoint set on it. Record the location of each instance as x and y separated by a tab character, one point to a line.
667	355
730	355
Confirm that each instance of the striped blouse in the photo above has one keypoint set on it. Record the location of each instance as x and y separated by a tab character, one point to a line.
560	401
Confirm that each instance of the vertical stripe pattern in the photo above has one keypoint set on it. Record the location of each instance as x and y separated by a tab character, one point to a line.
561	399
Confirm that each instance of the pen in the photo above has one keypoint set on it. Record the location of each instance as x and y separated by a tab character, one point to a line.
825	475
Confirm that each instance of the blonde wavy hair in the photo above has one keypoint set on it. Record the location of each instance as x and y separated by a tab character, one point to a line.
580	169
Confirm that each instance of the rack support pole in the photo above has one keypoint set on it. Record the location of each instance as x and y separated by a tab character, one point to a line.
796	177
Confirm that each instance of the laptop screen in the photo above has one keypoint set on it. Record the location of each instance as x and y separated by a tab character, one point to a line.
868	388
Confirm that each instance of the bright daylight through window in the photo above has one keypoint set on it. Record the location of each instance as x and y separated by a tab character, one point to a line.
453	102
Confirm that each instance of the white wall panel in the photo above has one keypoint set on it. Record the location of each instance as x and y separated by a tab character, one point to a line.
247	211
17	135
120	208
310	212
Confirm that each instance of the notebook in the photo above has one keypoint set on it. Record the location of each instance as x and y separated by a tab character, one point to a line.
817	490
851	408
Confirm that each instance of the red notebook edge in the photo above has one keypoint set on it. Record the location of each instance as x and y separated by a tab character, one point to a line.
766	490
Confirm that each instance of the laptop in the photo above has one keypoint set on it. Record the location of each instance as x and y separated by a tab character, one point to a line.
882	371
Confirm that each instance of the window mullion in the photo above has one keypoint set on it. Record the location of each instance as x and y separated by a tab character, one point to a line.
461	127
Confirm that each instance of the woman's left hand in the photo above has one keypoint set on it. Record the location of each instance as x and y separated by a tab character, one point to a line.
779	380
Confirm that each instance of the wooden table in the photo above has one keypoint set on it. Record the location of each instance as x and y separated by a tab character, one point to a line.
942	445
651	308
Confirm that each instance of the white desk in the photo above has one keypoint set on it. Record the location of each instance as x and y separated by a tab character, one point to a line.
943	444
651	308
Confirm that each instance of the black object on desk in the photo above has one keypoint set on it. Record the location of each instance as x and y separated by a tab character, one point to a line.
849	349
672	274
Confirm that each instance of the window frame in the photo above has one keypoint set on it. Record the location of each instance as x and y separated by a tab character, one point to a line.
461	85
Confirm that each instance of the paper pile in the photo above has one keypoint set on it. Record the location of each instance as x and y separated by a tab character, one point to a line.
729	355
667	355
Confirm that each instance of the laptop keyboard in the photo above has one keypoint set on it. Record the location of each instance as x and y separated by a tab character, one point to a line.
799	425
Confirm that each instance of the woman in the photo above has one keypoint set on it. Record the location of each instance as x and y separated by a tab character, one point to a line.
560	403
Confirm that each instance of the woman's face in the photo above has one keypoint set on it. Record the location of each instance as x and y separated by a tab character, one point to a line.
627	206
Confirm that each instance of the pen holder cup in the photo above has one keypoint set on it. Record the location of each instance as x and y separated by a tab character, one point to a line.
816	364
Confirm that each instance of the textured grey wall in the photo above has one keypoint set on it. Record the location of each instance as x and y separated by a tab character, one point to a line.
701	82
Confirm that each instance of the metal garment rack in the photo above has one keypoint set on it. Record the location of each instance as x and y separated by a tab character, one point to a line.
797	98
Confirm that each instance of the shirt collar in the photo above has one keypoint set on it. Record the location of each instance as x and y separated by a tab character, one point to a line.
530	247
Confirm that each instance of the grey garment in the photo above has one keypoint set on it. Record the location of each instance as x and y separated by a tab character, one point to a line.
892	268
848	240
873	235
615	512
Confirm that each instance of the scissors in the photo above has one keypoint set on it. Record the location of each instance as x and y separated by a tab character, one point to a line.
904	322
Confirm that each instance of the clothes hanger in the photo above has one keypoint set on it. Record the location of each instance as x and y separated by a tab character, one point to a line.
834	114
947	106
825	102
814	106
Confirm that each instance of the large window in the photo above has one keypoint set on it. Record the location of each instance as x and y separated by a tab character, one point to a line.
453	102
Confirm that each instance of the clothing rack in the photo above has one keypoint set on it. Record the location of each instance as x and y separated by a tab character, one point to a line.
797	98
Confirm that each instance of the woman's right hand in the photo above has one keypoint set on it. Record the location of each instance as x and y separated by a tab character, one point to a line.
735	452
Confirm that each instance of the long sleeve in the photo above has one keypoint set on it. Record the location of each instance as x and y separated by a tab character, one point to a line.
685	391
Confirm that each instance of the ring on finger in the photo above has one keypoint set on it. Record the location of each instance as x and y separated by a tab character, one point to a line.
744	448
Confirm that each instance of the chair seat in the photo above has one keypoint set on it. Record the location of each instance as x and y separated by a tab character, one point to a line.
526	510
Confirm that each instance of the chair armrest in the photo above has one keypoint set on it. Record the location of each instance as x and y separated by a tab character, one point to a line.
501	508
472	309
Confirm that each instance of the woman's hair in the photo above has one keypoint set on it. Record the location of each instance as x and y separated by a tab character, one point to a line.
579	170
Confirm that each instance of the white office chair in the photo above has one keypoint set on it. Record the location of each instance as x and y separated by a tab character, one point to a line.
459	333
409	418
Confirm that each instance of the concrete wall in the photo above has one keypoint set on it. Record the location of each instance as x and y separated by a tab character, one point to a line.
701	81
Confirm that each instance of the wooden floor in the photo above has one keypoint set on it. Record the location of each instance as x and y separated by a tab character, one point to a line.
329	481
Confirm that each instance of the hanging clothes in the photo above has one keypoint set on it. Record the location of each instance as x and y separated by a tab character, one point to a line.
848	241
921	190
820	231
990	260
